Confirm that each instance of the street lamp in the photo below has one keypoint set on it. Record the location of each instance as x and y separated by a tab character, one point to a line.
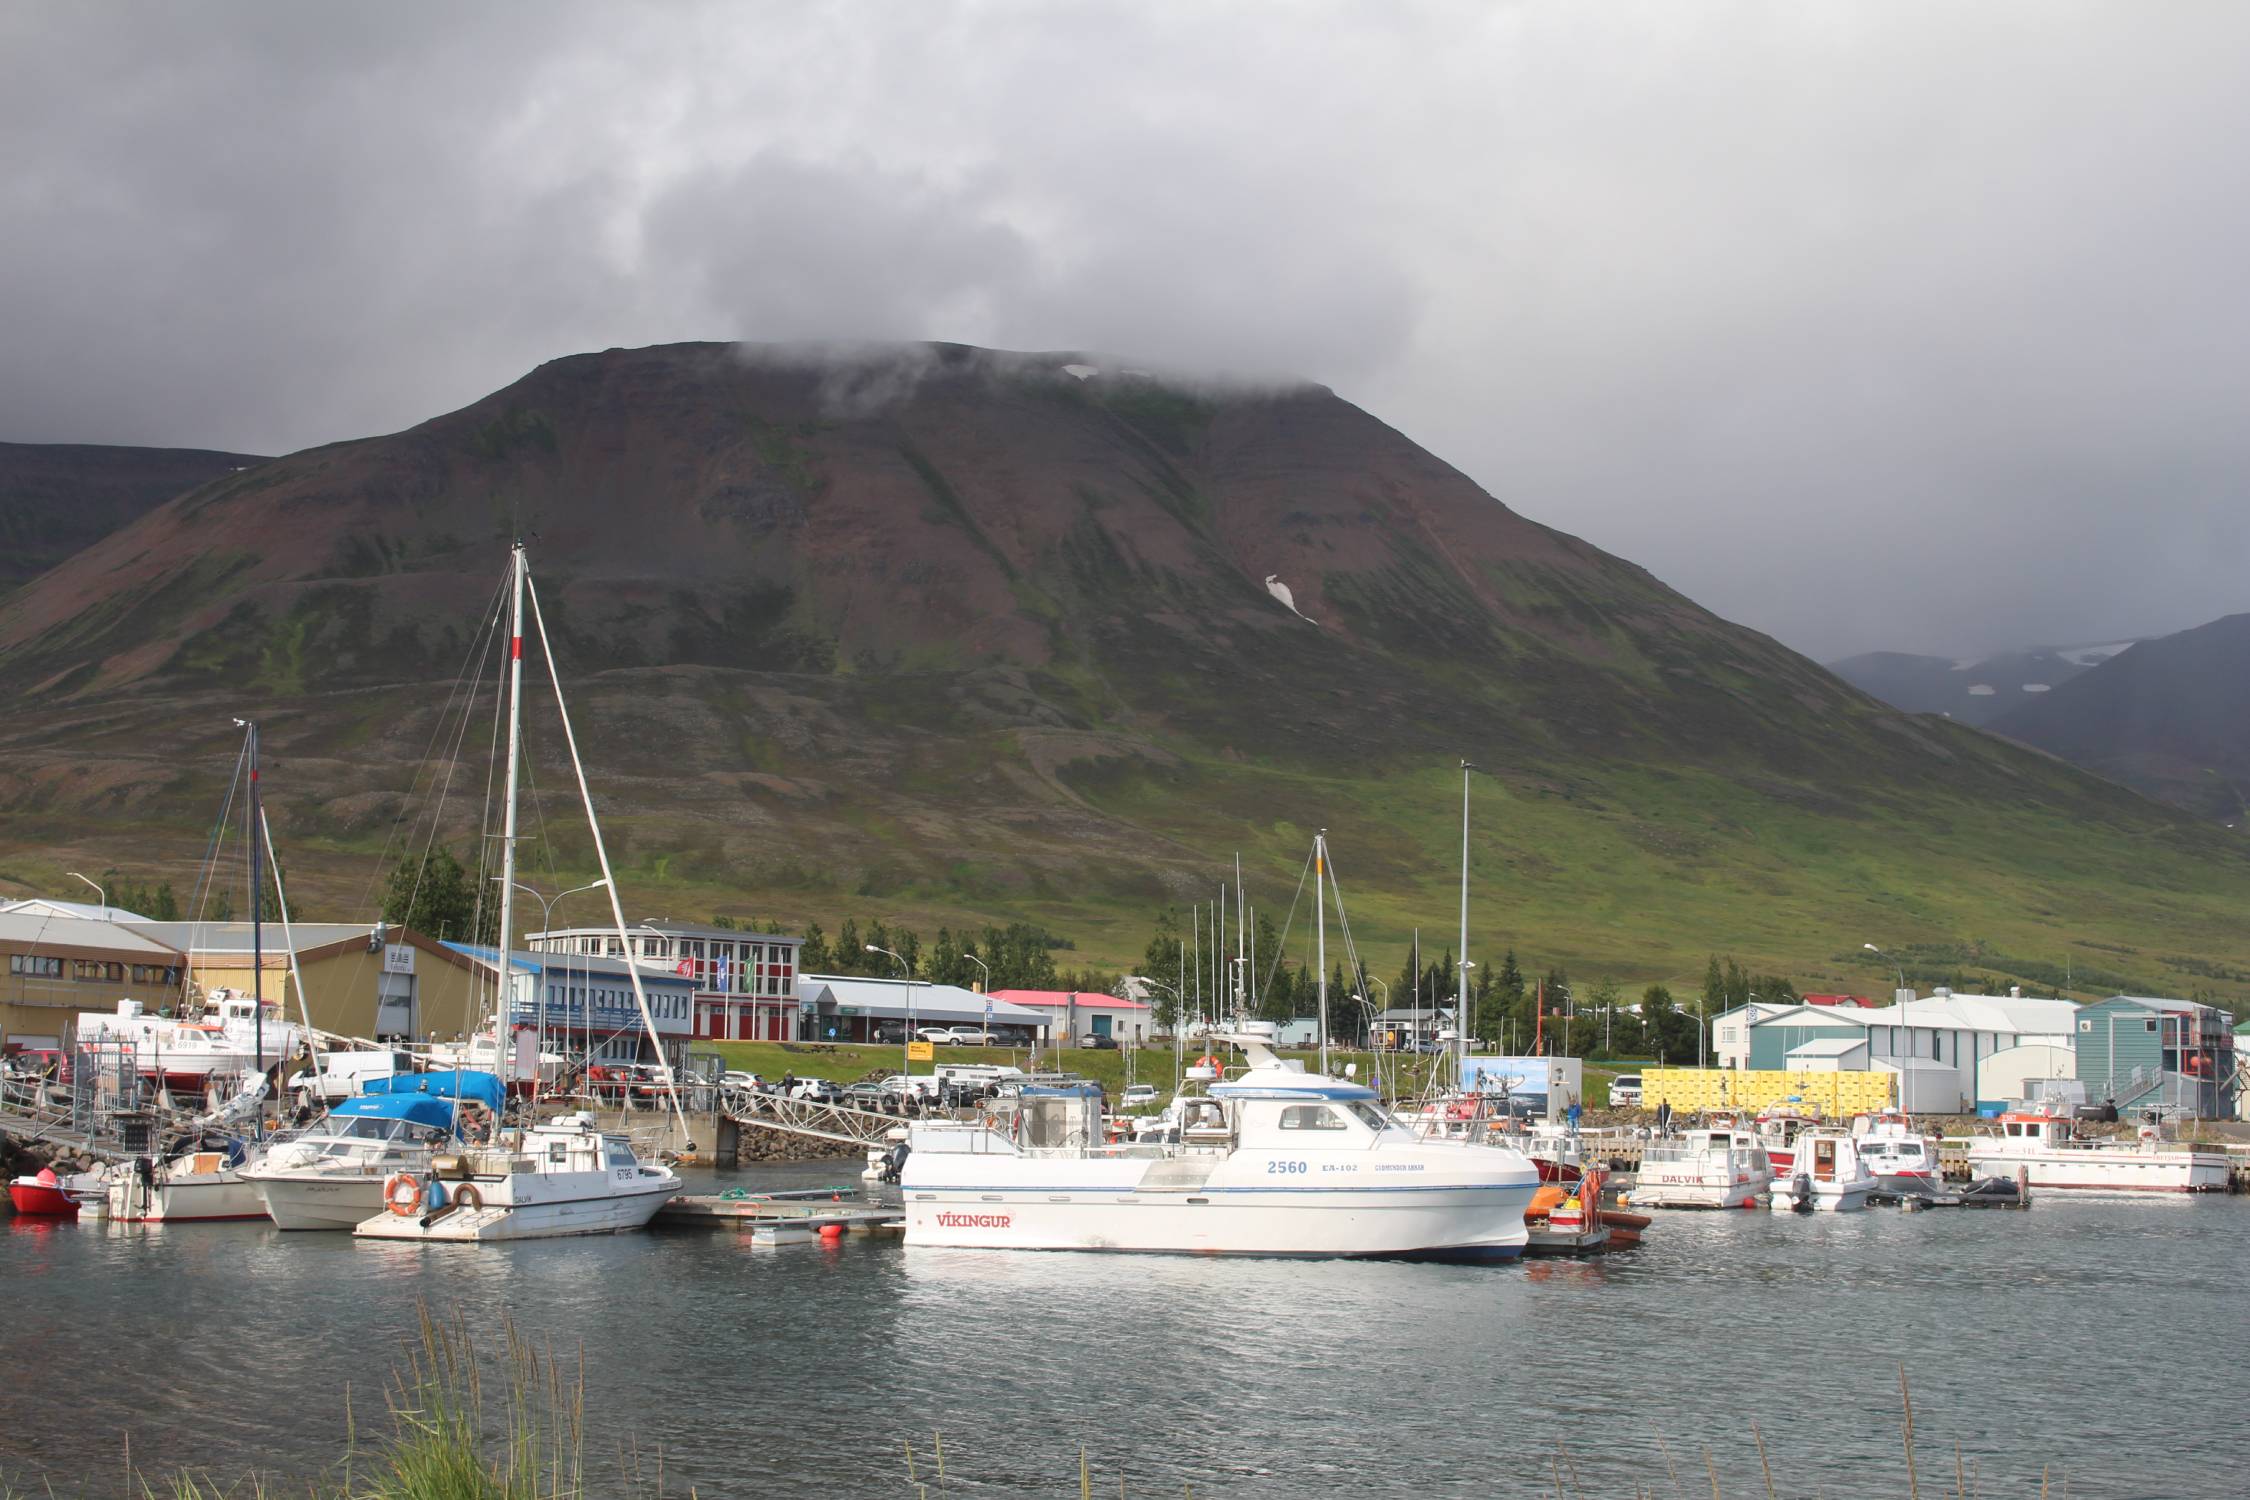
987	970
1879	953
97	891
906	1039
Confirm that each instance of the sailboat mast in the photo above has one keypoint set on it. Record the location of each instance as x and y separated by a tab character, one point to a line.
505	968
1461	1000
257	927
1320	927
1241	935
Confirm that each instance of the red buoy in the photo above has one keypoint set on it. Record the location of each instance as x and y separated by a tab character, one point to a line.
831	1233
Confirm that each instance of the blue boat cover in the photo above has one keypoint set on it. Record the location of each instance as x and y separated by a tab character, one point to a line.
466	1083
415	1109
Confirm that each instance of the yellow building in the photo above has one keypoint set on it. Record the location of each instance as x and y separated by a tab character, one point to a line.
382	983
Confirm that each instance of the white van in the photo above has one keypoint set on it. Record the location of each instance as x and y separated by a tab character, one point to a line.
343	1074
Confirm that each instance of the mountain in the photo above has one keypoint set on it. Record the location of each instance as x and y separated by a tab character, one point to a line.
950	635
1975	690
58	498
2170	717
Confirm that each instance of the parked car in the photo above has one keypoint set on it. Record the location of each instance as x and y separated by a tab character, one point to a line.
1099	1041
1625	1091
941	1035
815	1090
969	1036
870	1096
1137	1095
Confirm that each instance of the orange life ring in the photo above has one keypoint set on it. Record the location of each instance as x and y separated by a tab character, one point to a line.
1208	1061
402	1194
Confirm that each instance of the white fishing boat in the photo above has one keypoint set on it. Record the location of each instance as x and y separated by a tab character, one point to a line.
228	1039
204	1185
2045	1150
561	1177
1275	1161
1707	1168
1902	1159
331	1176
1827	1174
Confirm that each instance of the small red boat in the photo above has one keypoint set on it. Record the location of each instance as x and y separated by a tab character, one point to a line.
44	1195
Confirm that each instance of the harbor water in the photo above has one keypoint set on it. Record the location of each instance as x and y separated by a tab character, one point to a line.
2095	1339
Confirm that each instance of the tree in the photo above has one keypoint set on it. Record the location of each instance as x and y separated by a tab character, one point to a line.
435	896
813	956
947	966
850	955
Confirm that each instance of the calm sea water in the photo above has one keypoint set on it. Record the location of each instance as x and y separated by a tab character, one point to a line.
2104	1339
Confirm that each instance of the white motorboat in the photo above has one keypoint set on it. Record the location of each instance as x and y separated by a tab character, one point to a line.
332	1175
1902	1159
1276	1161
1826	1175
563	1177
1708	1168
200	1186
229	1039
2044	1150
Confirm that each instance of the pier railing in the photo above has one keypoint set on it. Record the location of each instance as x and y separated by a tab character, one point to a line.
807	1117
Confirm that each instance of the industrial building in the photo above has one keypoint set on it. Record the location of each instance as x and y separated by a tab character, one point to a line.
849	1008
1073	1015
59	965
1945	1053
2140	1051
374	981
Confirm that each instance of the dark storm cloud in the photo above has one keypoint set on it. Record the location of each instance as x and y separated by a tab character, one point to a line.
1880	325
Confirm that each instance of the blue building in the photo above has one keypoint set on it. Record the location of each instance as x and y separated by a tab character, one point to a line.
2146	1052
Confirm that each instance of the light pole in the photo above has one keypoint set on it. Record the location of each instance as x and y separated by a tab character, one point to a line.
97	891
906	1039
986	969
1879	953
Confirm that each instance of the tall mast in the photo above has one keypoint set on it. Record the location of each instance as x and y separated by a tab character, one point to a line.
1461	960
1320	926
257	927
1241	939
505	968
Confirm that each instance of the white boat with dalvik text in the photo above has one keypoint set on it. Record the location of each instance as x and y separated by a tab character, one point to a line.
1274	1161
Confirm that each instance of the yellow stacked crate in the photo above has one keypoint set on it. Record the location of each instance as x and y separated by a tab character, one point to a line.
1697	1090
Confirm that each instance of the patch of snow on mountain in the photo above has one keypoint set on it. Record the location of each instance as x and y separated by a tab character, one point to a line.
2036	687
2086	656
1982	690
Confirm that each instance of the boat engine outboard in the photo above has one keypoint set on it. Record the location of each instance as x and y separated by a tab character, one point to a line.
894	1162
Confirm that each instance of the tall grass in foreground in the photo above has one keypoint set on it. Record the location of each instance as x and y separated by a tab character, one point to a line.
462	1427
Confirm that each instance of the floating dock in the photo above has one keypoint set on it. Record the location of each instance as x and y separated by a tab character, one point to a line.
782	1218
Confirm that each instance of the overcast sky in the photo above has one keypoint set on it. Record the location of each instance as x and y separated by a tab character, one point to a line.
1874	326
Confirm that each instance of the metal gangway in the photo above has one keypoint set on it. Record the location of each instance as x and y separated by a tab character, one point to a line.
106	1107
808	1117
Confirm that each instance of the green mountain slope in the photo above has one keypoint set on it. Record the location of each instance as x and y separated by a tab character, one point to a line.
947	635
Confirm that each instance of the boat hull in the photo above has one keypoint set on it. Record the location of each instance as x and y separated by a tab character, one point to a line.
1102	1205
321	1203
551	1211
183	1198
41	1200
2095	1171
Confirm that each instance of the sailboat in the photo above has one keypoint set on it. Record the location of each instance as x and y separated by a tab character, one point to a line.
563	1176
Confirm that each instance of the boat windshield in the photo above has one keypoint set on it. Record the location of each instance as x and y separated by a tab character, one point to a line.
366	1128
1373	1115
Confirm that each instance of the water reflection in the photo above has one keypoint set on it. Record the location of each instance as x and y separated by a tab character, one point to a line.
2030	1338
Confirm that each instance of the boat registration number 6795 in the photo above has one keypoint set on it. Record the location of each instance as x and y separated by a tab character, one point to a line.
1285	1168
